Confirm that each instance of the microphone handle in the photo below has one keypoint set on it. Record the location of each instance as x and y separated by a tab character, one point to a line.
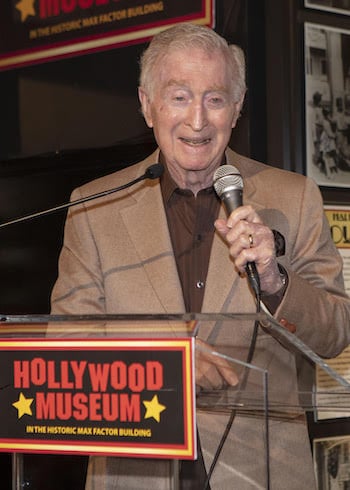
253	277
74	203
232	199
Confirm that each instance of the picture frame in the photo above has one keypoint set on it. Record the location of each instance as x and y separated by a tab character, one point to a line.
331	462
335	6
327	104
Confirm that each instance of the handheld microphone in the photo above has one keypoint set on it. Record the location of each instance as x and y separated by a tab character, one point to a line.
228	185
152	172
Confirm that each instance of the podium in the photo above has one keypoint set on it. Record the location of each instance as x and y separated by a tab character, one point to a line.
124	386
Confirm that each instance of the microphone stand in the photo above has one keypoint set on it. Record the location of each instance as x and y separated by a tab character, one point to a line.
152	172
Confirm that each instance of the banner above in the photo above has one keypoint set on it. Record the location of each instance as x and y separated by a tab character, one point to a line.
37	31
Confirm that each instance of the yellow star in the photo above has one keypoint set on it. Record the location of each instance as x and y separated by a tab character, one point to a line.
153	408
26	7
23	405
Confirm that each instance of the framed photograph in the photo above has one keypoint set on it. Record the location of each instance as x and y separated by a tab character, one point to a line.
332	462
337	6
332	401
327	104
338	217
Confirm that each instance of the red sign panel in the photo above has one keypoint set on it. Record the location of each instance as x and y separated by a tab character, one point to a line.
35	31
125	397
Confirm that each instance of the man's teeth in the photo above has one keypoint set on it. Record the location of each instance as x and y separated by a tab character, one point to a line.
195	142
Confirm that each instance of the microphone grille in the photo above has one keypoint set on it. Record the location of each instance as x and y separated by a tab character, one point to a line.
227	177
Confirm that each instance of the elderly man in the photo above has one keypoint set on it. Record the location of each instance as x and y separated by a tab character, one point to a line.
167	246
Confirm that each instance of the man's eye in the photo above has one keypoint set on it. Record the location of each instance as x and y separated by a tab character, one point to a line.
216	100
179	98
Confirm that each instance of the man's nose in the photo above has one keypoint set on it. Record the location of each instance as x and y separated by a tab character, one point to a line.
197	116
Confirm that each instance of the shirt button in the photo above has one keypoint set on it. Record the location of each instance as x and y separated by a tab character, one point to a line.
200	284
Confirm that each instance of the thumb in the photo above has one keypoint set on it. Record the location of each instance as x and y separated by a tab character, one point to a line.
221	226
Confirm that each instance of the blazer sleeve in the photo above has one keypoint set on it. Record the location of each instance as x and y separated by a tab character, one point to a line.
315	300
79	286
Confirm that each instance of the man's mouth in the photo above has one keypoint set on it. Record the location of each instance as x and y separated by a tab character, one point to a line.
196	142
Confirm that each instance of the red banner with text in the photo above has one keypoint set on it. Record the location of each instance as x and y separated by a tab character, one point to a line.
130	397
36	31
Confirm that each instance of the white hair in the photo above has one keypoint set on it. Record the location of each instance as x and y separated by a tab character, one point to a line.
185	35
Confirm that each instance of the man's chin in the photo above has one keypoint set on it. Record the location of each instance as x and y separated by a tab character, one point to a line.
199	165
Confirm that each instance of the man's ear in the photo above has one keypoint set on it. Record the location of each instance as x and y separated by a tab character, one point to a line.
238	108
145	106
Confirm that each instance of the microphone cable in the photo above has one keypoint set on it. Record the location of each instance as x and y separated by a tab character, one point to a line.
243	385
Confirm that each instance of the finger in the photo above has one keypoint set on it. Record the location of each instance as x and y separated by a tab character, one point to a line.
211	369
243	213
207	376
221	227
229	375
238	245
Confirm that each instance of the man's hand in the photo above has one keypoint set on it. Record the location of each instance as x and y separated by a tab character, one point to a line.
249	240
212	371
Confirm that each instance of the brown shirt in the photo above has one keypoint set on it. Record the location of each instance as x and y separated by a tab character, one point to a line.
191	226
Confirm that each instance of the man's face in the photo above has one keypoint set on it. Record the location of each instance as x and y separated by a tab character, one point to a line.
191	111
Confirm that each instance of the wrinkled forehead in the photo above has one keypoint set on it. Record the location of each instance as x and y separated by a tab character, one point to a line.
190	66
190	54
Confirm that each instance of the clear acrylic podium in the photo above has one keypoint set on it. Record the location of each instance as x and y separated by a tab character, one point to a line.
257	398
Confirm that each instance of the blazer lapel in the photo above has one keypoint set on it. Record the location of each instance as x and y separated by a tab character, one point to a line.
153	244
226	291
221	276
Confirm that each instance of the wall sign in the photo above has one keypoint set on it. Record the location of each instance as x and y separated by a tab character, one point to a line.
36	31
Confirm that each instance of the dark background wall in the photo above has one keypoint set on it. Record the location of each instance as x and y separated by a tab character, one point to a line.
66	122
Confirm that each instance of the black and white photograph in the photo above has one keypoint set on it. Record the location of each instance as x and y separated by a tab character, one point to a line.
337	6
332	462
327	105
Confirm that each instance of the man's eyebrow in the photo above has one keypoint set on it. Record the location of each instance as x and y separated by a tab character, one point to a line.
179	83
183	83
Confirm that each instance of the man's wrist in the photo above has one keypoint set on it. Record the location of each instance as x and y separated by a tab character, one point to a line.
272	300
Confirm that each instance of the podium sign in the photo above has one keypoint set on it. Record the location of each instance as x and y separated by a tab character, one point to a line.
124	385
92	396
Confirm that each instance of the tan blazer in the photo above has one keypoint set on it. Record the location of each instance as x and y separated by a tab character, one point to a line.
117	258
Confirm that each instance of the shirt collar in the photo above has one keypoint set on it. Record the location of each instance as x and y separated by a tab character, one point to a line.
168	184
